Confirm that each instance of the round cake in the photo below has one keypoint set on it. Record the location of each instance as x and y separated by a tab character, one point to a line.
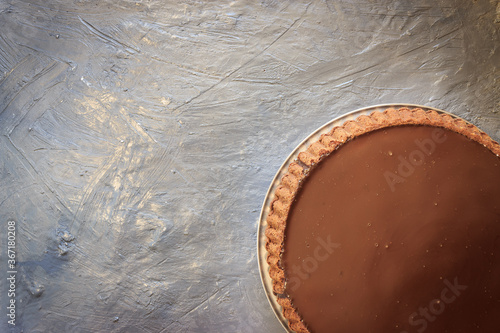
390	223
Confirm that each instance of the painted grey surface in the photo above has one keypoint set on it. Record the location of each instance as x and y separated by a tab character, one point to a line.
138	139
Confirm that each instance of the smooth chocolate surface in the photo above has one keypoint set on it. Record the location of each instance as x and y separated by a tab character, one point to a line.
398	231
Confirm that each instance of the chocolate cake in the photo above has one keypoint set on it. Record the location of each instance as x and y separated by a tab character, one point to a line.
390	223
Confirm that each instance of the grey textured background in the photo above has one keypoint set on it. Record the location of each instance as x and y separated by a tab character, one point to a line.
138	139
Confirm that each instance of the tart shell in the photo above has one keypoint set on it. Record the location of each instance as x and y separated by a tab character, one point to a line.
298	170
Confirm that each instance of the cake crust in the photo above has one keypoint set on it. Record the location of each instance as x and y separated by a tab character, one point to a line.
298	170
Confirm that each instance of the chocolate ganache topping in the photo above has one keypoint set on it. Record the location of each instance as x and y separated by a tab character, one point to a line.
397	230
